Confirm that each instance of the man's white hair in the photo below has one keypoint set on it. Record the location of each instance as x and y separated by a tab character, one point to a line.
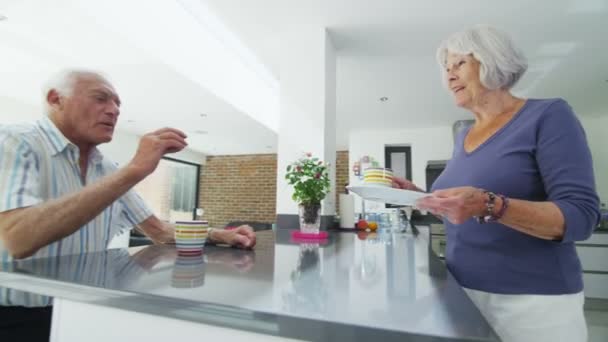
502	64
65	81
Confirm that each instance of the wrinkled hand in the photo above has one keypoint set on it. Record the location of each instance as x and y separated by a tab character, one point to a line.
457	205
402	183
242	237
153	146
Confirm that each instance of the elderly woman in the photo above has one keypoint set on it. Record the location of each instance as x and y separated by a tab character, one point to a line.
517	193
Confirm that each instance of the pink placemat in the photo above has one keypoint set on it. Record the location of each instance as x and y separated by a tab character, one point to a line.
296	234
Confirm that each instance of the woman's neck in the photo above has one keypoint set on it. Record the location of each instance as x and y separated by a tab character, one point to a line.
493	104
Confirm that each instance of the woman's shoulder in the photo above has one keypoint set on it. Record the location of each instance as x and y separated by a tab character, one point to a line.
549	109
545	104
550	116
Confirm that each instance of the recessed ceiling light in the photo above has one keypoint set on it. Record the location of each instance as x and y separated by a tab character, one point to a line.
198	131
268	146
130	121
384	99
203	115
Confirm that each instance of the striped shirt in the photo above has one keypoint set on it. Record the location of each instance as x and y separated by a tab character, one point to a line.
113	269
38	163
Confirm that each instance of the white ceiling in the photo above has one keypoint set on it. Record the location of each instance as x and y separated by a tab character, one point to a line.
155	82
384	48
387	48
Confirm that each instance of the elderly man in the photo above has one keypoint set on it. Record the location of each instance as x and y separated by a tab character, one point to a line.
60	195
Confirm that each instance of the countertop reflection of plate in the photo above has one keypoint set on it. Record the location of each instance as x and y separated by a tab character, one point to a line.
386	194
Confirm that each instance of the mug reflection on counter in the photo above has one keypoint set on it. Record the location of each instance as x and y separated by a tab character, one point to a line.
188	271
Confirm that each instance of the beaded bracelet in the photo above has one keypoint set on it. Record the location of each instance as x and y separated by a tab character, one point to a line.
490	217
489	208
503	209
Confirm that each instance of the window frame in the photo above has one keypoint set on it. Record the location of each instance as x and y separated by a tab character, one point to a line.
198	181
388	149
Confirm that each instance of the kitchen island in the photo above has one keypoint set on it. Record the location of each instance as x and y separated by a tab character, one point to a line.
349	287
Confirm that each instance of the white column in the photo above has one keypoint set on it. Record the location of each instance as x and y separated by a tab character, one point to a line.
307	109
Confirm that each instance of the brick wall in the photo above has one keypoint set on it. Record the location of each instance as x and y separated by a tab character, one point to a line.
341	175
243	187
239	188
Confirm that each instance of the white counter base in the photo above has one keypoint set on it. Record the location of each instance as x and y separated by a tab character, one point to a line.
77	322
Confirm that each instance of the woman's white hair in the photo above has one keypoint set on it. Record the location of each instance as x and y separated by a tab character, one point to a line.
502	64
64	82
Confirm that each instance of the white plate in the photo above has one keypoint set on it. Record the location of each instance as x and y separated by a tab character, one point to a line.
386	194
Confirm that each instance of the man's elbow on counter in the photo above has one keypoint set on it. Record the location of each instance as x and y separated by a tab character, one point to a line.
15	248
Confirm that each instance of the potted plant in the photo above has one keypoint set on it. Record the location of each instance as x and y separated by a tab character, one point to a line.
309	177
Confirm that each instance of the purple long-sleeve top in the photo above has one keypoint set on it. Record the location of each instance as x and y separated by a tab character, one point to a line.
540	155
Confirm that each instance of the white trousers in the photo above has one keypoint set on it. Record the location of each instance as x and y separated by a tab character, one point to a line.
533	318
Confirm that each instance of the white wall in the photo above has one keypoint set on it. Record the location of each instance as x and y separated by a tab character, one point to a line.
124	145
434	143
307	106
15	112
597	136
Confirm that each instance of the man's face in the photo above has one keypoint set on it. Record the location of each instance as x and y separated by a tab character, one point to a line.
91	112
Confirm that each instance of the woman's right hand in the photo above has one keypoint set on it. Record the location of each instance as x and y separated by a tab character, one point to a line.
402	183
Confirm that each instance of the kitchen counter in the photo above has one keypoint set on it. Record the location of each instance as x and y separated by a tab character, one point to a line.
351	287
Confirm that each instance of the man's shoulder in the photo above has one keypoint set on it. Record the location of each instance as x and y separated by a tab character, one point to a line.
24	132
19	129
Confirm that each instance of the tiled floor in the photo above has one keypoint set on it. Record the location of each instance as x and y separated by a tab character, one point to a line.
596	313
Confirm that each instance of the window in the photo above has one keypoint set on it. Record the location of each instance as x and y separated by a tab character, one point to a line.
171	190
399	159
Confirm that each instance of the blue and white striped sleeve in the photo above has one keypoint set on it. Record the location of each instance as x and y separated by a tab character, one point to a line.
19	173
135	210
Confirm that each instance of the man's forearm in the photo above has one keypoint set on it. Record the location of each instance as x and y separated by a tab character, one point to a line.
157	230
25	231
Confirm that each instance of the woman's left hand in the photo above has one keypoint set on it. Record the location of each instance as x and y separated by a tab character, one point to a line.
457	205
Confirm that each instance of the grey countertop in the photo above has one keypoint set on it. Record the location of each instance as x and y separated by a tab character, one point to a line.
351	287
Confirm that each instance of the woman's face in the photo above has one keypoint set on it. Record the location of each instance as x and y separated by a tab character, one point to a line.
462	76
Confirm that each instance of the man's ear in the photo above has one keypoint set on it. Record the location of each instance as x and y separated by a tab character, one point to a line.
54	99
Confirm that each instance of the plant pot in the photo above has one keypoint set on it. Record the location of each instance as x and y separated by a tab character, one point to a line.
310	218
